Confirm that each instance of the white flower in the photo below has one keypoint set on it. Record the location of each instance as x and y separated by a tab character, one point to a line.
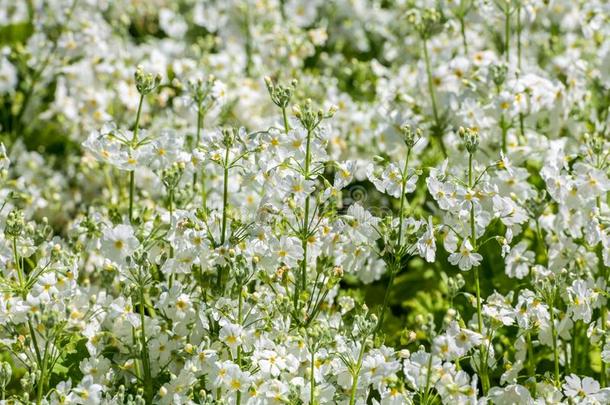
510	395
465	259
344	174
580	301
585	391
123	310
509	213
391	181
118	243
231	335
87	392
8	75
288	250
361	223
5	162
519	260
416	370
426	245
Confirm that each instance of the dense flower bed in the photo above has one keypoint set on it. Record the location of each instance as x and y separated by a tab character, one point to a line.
304	202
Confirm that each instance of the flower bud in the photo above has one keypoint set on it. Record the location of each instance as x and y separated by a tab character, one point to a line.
409	136
6	373
146	82
470	136
15	223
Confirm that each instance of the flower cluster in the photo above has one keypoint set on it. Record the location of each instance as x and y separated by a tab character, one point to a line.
304	202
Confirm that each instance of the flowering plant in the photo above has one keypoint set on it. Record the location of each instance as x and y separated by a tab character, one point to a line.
304	202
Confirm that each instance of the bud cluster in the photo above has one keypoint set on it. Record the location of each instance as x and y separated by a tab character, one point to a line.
427	22
409	136
280	94
146	82
15	224
310	118
470	136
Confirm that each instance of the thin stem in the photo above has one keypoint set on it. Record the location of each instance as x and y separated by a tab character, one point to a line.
305	227
463	31
43	370
473	241
554	338
134	142
531	361
197	140
225	206
521	127
39	358
428	374
132	190
147	378
519	27
394	269
171	220
430	82
507	33
433	97
286	125
604	308
225	196
504	129
136	126
356	373
18	263
240	306
312	381
603	372
403	197
248	43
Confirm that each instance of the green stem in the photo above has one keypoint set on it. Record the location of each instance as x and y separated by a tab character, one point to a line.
519	27
507	33
43	370
225	205
430	82
132	190
504	129
531	361
134	142
473	241
604	375
18	264
286	125
197	140
522	127
604	309
248	43
240	306
312	382
394	269
554	337
225	197
428	378
356	373
305	227
39	358
136	126
463	31
171	219
432	92
147	378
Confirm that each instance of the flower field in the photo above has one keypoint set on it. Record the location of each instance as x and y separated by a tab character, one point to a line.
304	202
